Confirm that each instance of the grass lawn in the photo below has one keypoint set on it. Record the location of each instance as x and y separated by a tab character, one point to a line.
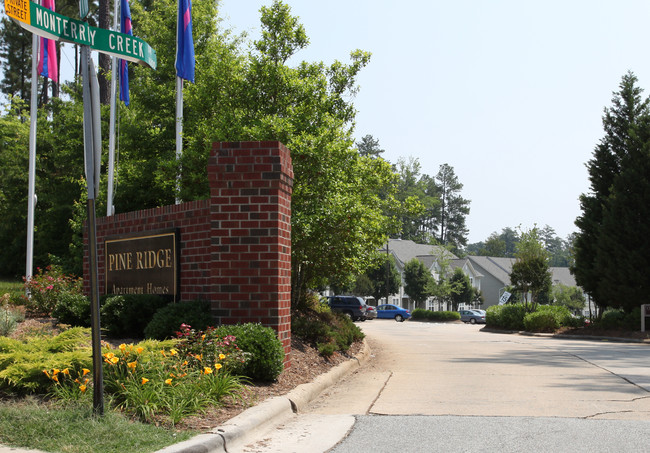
28	423
12	287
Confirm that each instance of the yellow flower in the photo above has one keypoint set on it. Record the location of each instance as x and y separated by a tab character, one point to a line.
66	371
218	366
168	381
109	355
122	347
139	350
82	388
144	380
85	371
185	363
55	378
132	365
55	371
222	356
203	337
173	351
207	370
46	374
114	360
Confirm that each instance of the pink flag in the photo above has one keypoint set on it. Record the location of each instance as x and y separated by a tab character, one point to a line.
47	66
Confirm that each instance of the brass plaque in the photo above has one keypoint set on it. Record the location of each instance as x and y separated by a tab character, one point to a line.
146	264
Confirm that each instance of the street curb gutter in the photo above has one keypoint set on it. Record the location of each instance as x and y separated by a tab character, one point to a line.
272	411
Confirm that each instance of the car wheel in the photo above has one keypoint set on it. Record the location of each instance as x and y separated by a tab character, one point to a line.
472	321
348	315
399	318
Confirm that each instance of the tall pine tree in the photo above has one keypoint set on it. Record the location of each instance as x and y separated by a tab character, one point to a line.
611	157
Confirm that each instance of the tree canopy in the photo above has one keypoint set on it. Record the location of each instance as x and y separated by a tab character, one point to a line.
244	91
530	273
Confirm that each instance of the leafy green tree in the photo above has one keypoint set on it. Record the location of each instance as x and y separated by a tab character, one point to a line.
451	228
14	140
418	191
530	272
569	296
384	272
15	55
494	246
418	282
369	146
462	290
621	125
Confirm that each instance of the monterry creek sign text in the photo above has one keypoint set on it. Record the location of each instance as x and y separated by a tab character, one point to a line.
142	265
50	25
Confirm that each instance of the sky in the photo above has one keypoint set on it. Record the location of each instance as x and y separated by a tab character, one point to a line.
510	93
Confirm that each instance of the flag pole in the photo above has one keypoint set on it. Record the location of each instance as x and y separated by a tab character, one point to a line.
31	192
179	133
110	209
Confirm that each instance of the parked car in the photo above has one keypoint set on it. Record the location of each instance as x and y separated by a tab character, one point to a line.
388	311
472	316
352	306
371	312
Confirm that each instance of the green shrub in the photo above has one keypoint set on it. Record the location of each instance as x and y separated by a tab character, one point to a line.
435	316
127	316
208	347
327	331
266	360
508	317
167	320
72	309
419	314
617	319
541	321
22	364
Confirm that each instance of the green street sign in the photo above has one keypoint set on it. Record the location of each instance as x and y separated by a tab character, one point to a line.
50	25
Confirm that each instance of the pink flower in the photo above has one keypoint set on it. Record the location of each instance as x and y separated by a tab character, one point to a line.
50	287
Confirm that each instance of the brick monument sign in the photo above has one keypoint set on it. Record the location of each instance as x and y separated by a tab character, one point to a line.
233	249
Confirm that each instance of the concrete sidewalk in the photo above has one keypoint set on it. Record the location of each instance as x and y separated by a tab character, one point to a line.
270	412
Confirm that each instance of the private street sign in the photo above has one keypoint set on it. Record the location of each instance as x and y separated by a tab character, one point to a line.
50	25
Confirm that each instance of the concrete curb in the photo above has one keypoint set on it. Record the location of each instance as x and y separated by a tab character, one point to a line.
270	412
566	336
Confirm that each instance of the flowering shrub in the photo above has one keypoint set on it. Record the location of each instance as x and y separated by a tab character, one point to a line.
46	286
207	346
149	382
68	385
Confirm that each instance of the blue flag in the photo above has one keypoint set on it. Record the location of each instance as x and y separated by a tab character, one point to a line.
184	42
125	27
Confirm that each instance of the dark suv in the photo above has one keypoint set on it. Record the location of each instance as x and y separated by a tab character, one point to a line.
352	306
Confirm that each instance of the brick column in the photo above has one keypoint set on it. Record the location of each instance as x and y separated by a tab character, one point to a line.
250	187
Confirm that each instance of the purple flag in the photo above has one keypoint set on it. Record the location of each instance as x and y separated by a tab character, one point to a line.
125	27
47	65
184	41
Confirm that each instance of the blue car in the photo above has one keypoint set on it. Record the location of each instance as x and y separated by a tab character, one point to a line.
389	311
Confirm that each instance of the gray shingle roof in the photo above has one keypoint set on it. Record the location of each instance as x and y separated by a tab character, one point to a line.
405	251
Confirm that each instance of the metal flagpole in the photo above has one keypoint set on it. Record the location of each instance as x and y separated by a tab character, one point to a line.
179	133
110	209
31	192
